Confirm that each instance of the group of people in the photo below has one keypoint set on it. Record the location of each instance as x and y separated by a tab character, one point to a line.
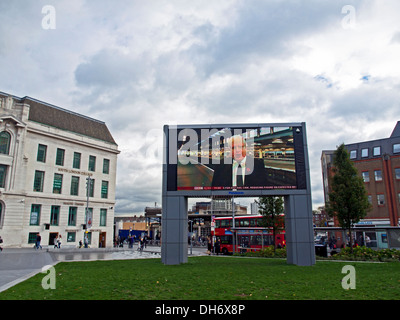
131	240
142	242
57	242
213	249
86	242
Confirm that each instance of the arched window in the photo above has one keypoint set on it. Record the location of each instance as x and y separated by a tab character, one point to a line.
5	139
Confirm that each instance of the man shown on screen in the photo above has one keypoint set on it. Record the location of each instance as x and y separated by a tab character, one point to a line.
245	171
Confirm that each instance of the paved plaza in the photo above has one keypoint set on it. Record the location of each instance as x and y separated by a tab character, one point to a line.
19	264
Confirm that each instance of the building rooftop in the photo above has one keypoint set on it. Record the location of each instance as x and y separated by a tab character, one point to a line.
371	149
60	118
396	130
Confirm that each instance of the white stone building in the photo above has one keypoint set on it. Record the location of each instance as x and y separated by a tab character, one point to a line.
46	155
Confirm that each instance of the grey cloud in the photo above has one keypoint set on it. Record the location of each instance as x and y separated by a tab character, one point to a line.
365	103
265	30
396	38
110	68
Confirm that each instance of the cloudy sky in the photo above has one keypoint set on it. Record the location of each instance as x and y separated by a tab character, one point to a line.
138	65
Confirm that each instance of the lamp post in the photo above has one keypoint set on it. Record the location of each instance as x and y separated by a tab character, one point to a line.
233	225
191	236
88	221
89	182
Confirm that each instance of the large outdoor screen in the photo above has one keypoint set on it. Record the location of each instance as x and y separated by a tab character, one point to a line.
225	158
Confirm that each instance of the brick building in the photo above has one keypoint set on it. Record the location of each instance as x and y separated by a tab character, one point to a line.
378	163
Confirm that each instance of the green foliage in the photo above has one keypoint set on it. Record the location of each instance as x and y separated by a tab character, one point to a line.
367	254
267	252
271	209
348	200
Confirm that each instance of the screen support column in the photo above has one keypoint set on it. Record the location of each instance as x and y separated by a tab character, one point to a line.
300	247
174	223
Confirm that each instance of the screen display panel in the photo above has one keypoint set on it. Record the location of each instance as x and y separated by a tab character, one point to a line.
257	158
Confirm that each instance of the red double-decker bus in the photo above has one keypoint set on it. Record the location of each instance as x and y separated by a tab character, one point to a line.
249	235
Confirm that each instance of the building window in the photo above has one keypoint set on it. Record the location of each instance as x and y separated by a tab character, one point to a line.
32	237
381	199
72	216
104	189
377	151
5	139
35	215
106	166
397	173
57	184
60	157
398	195
103	217
76	163
378	175
38	181
364	153
353	154
370	199
41	153
54	215
396	148
71	236
74	186
92	163
365	176
3	175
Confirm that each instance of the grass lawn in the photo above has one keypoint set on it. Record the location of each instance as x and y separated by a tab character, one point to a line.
211	278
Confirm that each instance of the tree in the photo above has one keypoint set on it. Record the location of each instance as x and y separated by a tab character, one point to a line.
271	208
348	200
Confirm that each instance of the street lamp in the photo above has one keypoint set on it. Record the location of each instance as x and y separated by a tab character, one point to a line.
191	236
88	221
89	182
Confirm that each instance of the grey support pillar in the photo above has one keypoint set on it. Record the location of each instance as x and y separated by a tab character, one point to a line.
174	245
299	230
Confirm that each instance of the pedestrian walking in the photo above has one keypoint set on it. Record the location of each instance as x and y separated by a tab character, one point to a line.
367	241
131	241
59	241
1	241
86	240
217	246
38	240
209	245
141	244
